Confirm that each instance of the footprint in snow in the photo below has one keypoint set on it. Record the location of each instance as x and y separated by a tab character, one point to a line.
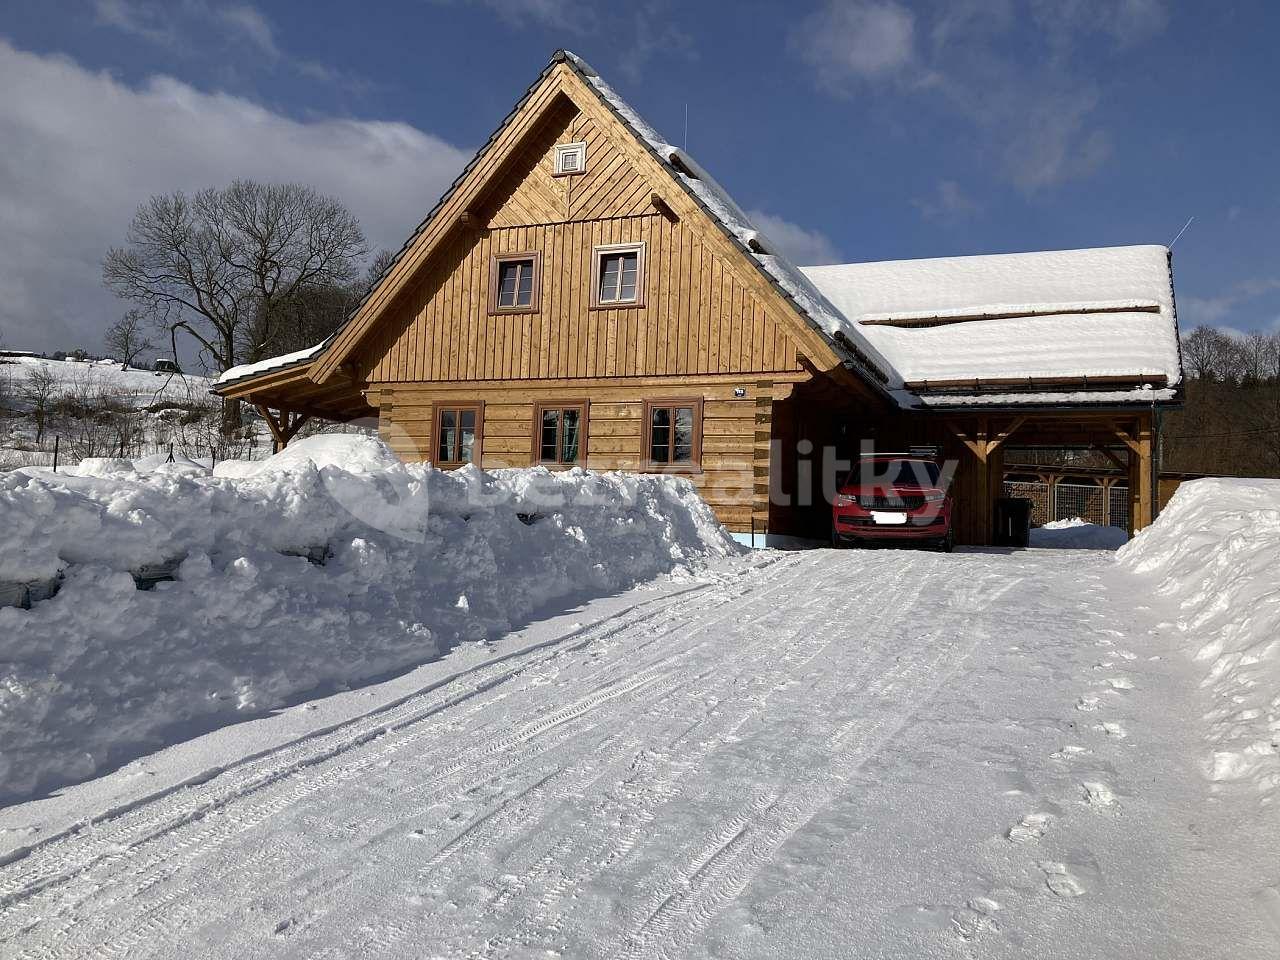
1060	880
974	917
1098	794
1070	751
1119	683
1031	827
1087	703
1112	729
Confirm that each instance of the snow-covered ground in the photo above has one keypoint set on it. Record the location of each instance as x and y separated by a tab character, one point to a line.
1050	753
109	375
96	406
831	753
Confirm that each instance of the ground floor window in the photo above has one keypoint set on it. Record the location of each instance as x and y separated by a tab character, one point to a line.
559	432
673	433
457	434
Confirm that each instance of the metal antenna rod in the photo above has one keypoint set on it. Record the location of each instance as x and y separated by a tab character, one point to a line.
1181	232
684	145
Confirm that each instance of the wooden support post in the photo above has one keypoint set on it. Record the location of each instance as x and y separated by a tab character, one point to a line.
977	505
284	426
1141	460
1107	484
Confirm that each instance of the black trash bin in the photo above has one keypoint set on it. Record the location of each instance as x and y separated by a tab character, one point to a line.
1013	522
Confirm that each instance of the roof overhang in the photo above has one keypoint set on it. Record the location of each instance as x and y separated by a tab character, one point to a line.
291	388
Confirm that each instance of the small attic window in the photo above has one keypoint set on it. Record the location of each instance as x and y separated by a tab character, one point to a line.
571	158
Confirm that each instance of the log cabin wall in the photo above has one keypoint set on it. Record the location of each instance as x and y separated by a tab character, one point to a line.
734	464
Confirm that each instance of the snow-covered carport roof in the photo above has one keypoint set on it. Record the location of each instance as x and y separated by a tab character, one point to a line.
1065	327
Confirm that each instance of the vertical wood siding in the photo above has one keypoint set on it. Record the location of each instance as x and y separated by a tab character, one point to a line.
698	316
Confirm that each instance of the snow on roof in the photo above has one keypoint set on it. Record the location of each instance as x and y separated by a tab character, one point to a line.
1063	314
1047	398
271	363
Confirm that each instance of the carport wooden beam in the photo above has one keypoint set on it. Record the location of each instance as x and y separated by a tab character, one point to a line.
283	425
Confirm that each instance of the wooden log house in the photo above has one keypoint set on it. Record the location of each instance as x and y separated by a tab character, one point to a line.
585	294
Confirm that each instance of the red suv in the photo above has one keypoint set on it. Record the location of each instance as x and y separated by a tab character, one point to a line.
893	498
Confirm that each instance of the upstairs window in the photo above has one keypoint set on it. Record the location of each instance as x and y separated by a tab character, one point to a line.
618	275
673	433
457	435
559	433
514	282
571	158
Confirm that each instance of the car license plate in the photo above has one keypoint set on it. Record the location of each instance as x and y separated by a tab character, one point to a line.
889	518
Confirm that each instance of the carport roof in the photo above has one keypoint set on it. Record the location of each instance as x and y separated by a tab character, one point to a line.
1065	326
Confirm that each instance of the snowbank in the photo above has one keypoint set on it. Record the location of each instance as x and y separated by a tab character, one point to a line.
1078	534
1216	550
413	561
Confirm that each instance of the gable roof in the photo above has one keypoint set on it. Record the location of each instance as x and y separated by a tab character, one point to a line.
1014	328
843	338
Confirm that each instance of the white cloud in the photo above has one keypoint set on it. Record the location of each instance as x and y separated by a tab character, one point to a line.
1236	303
845	41
1008	71
250	22
799	245
238	38
82	150
948	201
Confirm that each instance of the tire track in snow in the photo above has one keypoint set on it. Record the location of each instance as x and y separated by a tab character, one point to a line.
661	786
200	813
381	941
732	856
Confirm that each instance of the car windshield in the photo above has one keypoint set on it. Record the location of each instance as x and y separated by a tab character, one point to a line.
895	473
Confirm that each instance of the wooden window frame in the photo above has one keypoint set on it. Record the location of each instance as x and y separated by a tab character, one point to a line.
584	406
694	465
577	146
535	296
437	409
597	256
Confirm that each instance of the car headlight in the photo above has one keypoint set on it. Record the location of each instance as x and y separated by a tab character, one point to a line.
843	500
936	496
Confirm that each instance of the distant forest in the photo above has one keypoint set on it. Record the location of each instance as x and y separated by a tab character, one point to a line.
1230	422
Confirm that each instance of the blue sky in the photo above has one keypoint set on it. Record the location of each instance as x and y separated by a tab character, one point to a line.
859	130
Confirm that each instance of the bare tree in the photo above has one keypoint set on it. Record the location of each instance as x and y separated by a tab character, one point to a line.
40	390
128	337
379	265
223	266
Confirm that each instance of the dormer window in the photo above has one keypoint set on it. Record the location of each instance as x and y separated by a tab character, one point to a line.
571	158
618	275
514	281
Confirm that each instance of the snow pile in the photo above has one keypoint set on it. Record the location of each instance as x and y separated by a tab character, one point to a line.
1216	550
290	579
1078	534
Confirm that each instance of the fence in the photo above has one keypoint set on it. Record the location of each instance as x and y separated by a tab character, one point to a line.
1065	501
67	452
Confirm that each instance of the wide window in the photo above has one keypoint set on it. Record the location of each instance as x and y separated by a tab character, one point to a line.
618	275
457	435
559	433
673	433
513	283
